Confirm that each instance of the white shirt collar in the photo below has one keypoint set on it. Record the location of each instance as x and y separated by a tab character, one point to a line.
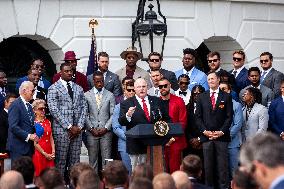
256	87
24	101
140	99
276	181
239	69
5	110
216	91
218	69
96	91
283	98
267	71
64	83
188	72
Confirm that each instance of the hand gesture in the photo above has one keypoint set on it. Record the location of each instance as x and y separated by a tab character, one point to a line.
130	111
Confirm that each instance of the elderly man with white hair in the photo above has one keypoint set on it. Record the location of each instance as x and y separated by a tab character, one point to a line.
140	109
21	133
12	180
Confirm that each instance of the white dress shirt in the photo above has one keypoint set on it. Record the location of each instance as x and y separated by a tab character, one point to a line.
185	98
216	92
238	70
188	72
141	104
267	71
25	103
64	83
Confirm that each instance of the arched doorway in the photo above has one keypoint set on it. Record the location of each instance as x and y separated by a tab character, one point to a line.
16	54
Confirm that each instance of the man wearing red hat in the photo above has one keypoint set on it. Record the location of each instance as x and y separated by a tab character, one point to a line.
78	77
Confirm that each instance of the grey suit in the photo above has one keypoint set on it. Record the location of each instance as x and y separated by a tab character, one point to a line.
111	83
273	81
254	122
99	117
66	112
266	94
139	73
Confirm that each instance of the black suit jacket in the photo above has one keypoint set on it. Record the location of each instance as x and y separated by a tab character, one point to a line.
134	146
3	130
273	81
198	185
218	119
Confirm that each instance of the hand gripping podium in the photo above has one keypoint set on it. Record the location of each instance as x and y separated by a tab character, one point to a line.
155	143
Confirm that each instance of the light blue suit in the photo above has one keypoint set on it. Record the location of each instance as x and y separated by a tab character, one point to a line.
197	78
236	137
120	132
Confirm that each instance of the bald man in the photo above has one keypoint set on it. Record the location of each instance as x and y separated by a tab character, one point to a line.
181	179
12	180
163	181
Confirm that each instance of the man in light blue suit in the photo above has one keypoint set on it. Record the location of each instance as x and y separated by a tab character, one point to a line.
196	76
120	130
235	130
262	157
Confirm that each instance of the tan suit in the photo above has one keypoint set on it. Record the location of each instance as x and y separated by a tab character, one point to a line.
139	73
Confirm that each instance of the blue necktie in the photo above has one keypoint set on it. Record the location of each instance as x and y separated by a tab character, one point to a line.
30	111
262	76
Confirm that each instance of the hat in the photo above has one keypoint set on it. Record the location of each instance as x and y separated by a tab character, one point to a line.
133	50
70	55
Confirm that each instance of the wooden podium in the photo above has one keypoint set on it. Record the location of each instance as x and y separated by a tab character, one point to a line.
155	143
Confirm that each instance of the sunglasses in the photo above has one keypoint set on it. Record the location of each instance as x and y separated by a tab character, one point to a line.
130	90
39	66
237	59
184	83
163	86
154	60
211	61
41	108
264	61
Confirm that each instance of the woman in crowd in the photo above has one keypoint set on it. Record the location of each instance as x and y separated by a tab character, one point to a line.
44	150
192	131
255	115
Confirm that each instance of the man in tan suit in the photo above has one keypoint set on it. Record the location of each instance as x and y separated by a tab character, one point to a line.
131	56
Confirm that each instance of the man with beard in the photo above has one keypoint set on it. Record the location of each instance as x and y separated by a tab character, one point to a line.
131	56
77	77
111	80
34	77
177	112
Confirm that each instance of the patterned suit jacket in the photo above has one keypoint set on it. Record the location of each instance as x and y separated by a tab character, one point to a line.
111	83
99	117
63	109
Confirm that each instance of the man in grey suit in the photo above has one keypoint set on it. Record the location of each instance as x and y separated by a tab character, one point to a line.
68	108
111	80
131	56
269	76
101	103
254	78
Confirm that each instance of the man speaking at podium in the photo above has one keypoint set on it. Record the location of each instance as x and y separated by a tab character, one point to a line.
139	109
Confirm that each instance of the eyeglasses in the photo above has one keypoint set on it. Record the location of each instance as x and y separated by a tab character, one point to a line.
184	83
237	59
154	60
211	61
264	61
130	90
163	86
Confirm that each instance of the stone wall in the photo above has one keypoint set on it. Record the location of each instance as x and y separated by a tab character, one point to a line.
254	26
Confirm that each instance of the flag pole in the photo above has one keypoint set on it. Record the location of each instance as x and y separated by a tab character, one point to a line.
92	63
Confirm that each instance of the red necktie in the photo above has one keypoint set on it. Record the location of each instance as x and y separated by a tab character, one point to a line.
146	110
213	100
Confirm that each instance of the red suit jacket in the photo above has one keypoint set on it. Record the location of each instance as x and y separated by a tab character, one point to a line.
177	112
81	80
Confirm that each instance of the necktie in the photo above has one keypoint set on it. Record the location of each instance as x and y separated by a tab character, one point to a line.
145	109
30	111
184	93
213	100
3	92
235	73
262	76
157	92
98	99
70	92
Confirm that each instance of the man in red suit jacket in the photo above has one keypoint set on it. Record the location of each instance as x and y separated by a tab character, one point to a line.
78	78
177	112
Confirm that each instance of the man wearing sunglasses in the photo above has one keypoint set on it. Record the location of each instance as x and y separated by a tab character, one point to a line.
155	60
177	112
183	91
37	64
240	72
196	76
269	76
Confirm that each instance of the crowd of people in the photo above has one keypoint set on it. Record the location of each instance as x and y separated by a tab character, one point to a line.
218	111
